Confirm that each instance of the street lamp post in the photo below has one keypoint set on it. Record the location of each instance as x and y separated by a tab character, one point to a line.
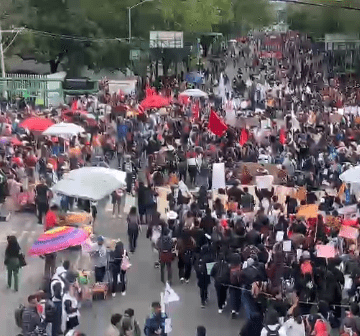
129	14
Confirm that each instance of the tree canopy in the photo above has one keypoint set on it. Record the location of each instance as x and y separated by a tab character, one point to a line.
93	33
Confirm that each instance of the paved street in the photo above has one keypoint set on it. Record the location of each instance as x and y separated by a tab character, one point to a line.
144	285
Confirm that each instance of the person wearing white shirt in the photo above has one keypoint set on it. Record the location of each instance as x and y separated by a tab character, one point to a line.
112	329
295	326
272	324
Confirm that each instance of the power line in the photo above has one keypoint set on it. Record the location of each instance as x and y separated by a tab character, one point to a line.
75	38
324	5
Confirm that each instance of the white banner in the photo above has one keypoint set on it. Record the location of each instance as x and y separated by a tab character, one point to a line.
218	176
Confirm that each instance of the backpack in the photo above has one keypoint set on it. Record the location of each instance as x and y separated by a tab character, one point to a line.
50	311
166	243
187	257
18	315
235	274
200	267
272	332
222	272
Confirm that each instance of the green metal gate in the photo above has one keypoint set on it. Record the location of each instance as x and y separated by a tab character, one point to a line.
36	88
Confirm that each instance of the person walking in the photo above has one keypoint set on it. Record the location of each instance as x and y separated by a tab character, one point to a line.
221	274
133	221
57	289
41	199
116	199
12	261
71	310
235	281
112	329
186	247
165	246
116	258
129	325
203	278
155	323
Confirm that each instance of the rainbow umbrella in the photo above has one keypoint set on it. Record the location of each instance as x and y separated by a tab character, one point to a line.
58	239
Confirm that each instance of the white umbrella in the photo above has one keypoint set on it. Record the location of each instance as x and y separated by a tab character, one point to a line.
194	93
351	175
92	183
64	130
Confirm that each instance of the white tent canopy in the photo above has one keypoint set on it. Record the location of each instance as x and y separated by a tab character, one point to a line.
194	93
64	130
351	175
92	183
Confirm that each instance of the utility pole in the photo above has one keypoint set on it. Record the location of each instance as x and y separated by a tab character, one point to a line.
3	74
129	12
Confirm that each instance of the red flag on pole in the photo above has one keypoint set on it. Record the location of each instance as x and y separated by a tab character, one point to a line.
196	110
244	137
216	125
282	136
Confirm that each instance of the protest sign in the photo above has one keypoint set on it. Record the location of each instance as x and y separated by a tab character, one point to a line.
218	177
325	251
348	232
209	267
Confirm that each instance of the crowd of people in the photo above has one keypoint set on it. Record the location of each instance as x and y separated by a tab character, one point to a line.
284	134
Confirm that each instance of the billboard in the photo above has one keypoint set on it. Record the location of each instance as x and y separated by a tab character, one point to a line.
166	39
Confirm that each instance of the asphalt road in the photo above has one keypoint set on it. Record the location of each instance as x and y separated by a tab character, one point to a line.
144	285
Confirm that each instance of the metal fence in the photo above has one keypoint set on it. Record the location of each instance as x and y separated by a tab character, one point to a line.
33	88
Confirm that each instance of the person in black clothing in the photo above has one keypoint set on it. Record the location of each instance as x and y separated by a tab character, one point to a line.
12	261
203	278
208	222
41	199
116	259
201	331
221	274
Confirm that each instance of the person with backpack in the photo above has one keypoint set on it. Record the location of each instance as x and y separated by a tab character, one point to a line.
186	248
235	282
166	255
128	325
30	319
272	327
203	278
46	308
221	274
133	221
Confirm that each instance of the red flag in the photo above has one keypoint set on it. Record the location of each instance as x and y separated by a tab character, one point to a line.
216	125
244	137
74	105
282	136
196	110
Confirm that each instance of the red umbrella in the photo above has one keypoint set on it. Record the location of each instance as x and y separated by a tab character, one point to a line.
154	101
14	140
36	124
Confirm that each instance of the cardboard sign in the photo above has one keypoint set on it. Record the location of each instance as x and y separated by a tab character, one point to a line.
325	251
209	267
264	182
287	245
168	327
279	236
218	177
349	232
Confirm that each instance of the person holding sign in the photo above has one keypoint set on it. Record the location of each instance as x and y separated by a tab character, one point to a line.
155	323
